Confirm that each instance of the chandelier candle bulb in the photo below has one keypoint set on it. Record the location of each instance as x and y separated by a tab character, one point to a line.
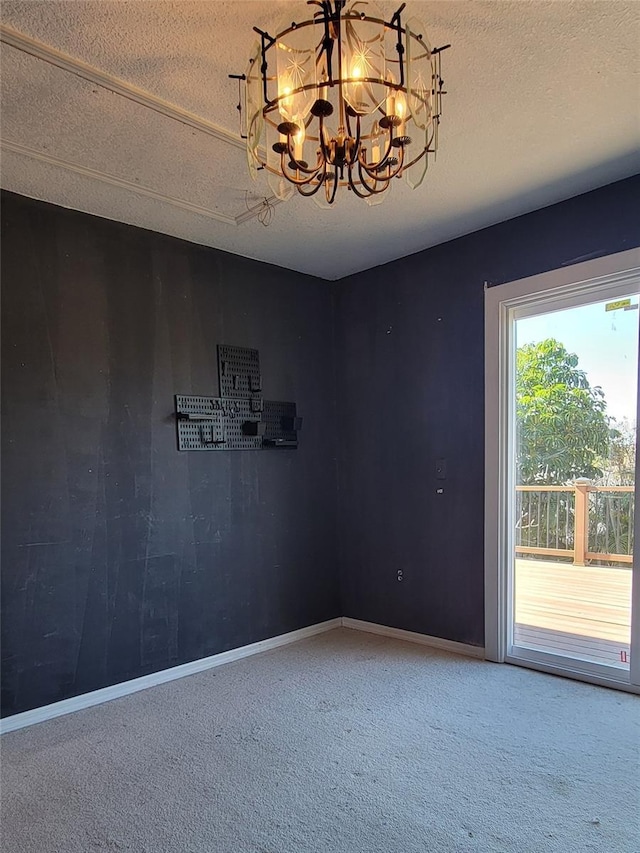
379	79
298	142
285	100
401	110
391	103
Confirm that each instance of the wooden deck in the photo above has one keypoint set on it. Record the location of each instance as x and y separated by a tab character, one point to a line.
580	611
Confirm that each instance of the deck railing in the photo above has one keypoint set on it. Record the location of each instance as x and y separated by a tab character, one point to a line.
582	522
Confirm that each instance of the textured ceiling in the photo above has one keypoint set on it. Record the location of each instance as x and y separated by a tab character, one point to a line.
125	110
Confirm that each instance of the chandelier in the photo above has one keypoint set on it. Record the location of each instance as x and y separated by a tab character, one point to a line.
341	98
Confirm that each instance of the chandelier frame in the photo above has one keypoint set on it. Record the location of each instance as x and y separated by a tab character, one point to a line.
363	159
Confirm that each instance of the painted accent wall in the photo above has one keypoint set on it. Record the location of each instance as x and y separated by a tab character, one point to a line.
120	555
410	350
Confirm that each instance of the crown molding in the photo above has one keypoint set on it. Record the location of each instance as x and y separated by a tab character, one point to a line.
46	53
40	50
123	183
138	189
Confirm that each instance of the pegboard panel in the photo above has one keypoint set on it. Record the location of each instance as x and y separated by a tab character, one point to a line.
195	405
215	423
275	433
239	372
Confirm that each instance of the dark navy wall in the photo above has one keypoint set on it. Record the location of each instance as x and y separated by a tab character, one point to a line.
122	556
410	367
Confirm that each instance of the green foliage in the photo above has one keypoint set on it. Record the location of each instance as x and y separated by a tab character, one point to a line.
562	426
620	465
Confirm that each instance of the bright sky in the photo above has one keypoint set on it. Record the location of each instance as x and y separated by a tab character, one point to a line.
606	343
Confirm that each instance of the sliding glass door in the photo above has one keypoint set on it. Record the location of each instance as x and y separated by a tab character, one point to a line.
573	388
562	440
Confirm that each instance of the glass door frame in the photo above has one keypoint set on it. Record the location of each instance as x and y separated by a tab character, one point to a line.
604	278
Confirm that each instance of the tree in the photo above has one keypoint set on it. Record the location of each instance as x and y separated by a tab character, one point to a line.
619	467
562	426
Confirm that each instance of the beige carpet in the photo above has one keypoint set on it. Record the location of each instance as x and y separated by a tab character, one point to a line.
344	743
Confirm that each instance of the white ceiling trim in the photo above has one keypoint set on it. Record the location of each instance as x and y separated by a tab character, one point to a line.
46	53
123	183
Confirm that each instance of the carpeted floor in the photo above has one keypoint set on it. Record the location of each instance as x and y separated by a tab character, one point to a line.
343	743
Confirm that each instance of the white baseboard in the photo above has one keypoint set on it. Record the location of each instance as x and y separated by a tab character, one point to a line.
116	691
413	637
105	694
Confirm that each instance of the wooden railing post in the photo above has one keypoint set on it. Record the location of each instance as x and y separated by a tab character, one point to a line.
581	532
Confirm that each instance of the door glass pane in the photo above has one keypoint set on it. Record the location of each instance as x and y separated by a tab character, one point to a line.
575	405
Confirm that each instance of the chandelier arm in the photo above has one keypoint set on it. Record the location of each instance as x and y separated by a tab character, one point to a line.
293	180
297	182
330	194
397	171
322	182
297	163
357	141
348	117
369	191
311	192
323	146
350	136
331	199
400	165
371	171
353	187
389	150
380	179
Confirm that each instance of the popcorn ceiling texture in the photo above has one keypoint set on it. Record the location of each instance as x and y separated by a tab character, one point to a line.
542	105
